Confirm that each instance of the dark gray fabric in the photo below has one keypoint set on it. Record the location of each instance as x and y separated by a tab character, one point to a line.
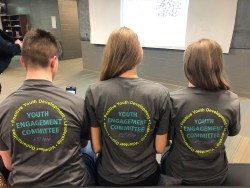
238	175
201	122
166	180
41	126
130	112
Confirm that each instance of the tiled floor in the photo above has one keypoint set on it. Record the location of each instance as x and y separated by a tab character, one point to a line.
72	73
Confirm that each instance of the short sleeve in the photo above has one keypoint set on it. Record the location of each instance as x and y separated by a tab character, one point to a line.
4	134
165	115
235	126
3	146
86	130
90	109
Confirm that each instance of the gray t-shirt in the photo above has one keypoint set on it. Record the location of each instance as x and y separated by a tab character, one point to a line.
41	125
130	113
201	122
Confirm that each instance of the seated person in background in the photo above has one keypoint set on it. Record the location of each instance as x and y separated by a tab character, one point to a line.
204	114
9	48
129	116
41	125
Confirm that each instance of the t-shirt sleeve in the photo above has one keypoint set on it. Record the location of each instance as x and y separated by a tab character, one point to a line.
165	115
3	146
90	109
171	125
3	131
86	129
235	126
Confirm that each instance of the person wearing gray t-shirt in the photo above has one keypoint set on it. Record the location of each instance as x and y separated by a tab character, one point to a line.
42	126
204	114
128	115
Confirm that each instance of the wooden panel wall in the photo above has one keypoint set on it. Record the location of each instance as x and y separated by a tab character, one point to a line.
70	29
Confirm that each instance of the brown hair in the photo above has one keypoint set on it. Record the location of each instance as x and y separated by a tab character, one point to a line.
38	46
122	53
203	65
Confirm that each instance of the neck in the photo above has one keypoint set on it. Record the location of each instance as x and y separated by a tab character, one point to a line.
130	74
190	84
38	75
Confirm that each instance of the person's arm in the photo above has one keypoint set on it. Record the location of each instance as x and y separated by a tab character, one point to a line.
18	47
160	143
6	159
163	124
235	126
96	140
9	48
95	131
19	43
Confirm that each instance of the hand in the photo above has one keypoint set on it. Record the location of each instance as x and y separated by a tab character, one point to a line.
19	43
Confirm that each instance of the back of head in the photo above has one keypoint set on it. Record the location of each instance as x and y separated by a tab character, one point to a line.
203	65
38	46
123	52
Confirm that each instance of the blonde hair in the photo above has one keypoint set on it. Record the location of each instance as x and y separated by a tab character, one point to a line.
123	52
203	65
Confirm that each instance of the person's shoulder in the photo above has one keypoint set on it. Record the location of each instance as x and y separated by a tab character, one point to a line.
99	85
9	103
209	95
63	96
230	97
154	85
182	91
72	96
231	94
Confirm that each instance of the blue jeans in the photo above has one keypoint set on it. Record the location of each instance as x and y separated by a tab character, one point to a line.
88	150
